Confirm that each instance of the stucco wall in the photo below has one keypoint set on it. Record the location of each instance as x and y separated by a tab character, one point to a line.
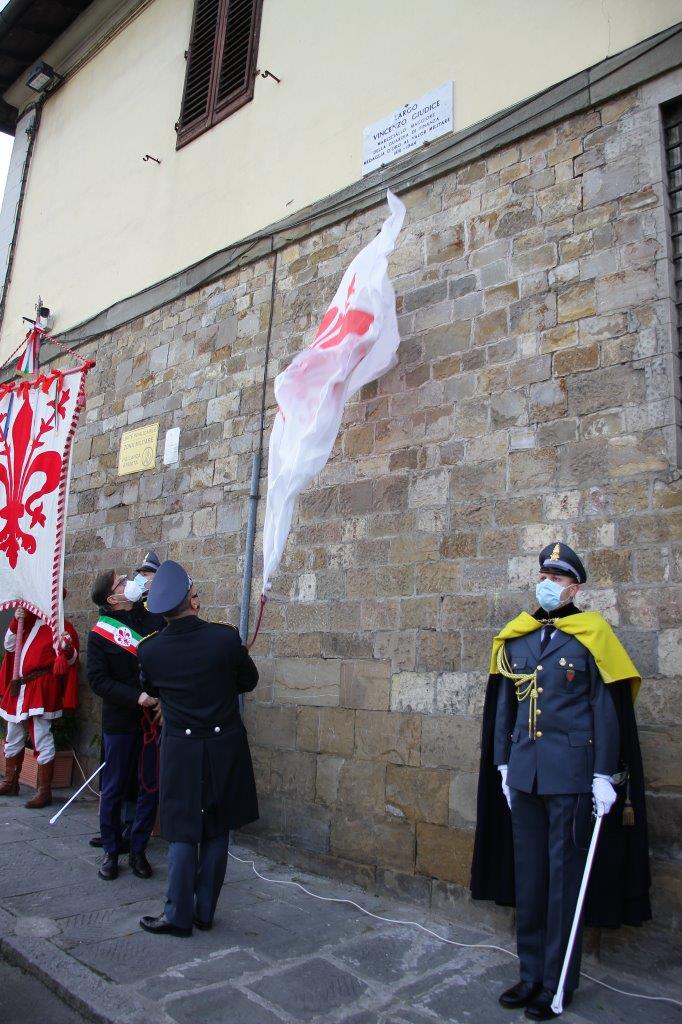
98	224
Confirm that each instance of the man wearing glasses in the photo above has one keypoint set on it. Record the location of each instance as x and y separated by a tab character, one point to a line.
113	675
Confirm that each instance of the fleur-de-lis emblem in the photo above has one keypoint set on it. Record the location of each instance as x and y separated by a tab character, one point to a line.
123	637
27	474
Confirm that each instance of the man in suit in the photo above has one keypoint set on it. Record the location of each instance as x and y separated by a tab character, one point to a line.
114	676
198	669
556	744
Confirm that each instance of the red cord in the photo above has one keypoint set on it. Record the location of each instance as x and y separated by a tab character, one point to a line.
263	600
150	734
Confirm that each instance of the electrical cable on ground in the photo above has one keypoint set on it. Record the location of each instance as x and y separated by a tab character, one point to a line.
441	938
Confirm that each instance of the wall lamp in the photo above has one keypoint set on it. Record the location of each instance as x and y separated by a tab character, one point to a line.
42	77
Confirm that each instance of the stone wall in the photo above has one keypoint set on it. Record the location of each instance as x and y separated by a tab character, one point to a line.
533	401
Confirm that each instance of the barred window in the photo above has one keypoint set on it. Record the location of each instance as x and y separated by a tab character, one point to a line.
221	64
672	128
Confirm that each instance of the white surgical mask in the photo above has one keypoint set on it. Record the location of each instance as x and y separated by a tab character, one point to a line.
132	591
548	594
142	582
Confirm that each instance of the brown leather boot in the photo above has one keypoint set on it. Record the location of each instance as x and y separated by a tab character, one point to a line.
43	797
10	787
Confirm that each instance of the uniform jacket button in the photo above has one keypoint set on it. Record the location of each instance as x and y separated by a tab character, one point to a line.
538	734
541	689
188	732
539	668
217	729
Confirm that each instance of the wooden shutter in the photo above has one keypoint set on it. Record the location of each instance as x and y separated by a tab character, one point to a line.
221	63
196	107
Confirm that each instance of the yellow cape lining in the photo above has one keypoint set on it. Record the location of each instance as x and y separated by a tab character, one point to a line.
593	631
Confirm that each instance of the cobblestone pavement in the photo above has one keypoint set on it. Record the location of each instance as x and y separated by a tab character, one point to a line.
274	954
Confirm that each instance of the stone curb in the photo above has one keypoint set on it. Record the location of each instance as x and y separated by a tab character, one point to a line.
97	999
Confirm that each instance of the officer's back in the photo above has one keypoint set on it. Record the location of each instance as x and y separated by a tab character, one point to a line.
199	669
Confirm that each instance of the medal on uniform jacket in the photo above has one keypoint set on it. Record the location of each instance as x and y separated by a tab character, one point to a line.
118	633
570	672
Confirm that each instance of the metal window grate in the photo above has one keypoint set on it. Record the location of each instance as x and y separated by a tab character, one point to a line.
672	135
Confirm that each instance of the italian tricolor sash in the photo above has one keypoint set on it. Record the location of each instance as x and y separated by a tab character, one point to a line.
118	633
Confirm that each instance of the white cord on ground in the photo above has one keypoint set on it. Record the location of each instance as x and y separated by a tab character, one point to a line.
80	769
442	938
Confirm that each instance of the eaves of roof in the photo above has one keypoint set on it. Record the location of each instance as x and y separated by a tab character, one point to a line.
27	29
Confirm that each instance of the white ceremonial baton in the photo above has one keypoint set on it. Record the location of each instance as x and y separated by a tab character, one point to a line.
77	793
557	1002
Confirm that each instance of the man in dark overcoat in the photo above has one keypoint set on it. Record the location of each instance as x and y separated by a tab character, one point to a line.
198	669
114	676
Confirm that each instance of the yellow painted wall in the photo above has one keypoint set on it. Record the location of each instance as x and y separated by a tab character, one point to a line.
99	224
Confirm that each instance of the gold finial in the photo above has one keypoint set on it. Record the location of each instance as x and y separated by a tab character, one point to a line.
556	553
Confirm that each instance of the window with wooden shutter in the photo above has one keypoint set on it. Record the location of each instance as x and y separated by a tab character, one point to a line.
221	63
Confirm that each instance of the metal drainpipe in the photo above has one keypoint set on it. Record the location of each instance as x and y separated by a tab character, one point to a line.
254	496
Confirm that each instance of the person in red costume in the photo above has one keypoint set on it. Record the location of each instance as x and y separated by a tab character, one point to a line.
31	702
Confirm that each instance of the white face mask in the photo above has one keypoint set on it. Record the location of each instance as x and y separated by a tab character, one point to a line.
132	590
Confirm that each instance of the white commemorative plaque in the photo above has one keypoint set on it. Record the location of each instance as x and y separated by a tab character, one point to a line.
423	120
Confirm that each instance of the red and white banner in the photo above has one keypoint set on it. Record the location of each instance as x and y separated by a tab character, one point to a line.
38	420
356	342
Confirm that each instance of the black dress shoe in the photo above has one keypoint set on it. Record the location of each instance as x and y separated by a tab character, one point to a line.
139	864
520	994
203	926
540	1007
96	841
108	869
161	926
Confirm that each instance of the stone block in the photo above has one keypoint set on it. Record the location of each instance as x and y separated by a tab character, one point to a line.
444	853
450	741
327	779
413	692
326	730
388	736
270	726
533	469
547	400
600	389
576	360
536	313
418	794
461	611
314	681
462	803
429	490
438	650
365	685
508	408
660	756
361	787
577	302
292	774
670	652
370	840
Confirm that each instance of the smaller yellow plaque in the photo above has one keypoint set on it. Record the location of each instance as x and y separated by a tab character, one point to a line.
138	449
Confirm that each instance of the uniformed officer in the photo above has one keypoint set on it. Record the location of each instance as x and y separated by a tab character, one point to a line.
556	745
198	670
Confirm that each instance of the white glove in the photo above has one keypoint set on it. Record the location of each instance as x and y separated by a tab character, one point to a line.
502	769
603	794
